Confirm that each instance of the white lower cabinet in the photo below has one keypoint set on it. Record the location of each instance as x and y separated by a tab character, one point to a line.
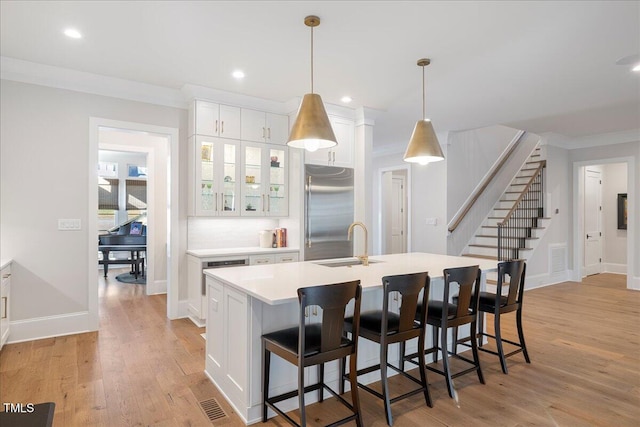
5	308
197	301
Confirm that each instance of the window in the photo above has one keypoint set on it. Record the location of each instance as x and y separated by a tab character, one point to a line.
136	194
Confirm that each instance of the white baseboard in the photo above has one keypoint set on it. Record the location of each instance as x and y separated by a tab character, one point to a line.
614	268
158	287
634	283
542	280
49	326
183	309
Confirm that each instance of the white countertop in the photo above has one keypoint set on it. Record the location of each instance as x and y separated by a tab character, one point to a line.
204	253
4	262
278	283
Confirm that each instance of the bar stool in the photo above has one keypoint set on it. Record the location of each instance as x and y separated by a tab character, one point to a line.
315	344
386	327
499	304
444	315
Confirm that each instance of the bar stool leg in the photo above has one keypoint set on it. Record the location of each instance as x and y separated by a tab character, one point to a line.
401	352
384	382
480	331
521	334
321	381
423	372
343	372
503	362
476	356
435	344
266	362
353	380
303	415
445	362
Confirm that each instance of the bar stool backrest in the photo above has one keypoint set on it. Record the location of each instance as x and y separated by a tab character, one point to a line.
409	287
467	280
515	270
333	299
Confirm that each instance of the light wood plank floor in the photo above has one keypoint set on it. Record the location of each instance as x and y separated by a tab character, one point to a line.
144	370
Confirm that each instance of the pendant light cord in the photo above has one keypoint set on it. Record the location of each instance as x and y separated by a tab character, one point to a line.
311	59
424	116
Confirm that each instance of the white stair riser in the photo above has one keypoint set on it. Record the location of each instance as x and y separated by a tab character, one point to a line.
536	232
482	251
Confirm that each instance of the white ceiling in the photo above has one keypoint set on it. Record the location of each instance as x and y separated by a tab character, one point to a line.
540	66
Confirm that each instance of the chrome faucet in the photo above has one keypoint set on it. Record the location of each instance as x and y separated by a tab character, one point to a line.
363	258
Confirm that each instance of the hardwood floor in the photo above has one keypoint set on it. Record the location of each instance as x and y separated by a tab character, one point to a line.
141	369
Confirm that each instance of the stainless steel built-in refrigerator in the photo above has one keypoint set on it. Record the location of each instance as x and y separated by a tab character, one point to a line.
328	209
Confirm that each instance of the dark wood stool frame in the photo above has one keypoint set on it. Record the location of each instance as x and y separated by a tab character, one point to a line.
316	344
385	328
462	313
497	304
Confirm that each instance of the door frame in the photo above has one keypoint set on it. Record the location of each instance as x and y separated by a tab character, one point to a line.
380	207
578	225
173	233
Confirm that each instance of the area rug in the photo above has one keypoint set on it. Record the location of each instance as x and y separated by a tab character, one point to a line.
130	278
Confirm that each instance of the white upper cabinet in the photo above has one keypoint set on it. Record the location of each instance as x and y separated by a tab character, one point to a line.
258	126
265	190
219	120
215	182
341	154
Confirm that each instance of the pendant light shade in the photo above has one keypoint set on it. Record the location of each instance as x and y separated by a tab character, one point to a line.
423	146
312	129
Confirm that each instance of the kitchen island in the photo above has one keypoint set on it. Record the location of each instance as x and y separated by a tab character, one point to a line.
247	302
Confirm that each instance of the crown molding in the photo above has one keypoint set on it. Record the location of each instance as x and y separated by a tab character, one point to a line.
612	138
190	92
64	78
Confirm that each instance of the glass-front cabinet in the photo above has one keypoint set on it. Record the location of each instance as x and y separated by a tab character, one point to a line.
217	176
265	178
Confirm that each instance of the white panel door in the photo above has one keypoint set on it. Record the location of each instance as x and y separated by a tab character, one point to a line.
398	233
592	222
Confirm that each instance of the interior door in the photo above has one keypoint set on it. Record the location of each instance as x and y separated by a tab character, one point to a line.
592	221
398	223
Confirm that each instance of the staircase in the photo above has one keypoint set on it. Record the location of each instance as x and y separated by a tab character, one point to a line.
517	221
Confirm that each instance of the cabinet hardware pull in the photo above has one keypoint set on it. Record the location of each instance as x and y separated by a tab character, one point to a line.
306	312
329	158
315	310
216	126
216	196
6	276
334	157
4	310
263	203
268	133
269	204
287	259
222	127
263	132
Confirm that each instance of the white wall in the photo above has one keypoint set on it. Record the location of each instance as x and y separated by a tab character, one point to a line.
614	250
44	154
471	154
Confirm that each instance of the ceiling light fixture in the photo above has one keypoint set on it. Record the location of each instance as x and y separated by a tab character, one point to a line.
636	68
346	99
423	146
72	33
238	74
312	129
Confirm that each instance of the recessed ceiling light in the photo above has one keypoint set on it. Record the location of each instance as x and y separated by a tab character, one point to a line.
636	68
346	99
238	74
72	33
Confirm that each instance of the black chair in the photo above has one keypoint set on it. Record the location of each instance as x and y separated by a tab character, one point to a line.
444	315
499	304
315	344
386	327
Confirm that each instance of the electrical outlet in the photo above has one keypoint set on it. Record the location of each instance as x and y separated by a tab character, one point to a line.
432	221
69	224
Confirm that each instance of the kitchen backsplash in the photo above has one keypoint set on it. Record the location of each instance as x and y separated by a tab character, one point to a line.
220	233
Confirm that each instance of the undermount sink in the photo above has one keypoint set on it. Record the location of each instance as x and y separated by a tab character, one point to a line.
344	263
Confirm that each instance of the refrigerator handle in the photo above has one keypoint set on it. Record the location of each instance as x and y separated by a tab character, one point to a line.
306	211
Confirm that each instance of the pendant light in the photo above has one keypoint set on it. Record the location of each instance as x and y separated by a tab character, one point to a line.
423	146
312	129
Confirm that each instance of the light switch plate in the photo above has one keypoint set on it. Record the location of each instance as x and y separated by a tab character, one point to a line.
69	224
432	221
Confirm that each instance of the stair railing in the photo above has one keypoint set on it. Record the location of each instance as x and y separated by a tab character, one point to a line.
459	216
528	208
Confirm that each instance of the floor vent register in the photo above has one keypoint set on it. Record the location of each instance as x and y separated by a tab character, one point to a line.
212	408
